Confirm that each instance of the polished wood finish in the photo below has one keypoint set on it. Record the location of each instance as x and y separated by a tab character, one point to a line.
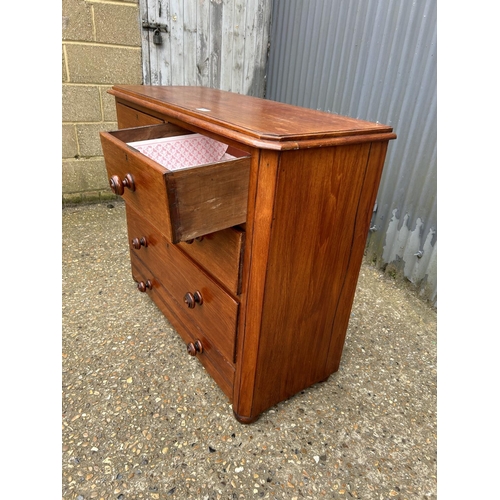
193	348
142	286
191	299
118	185
252	121
221	255
302	271
208	199
198	298
367	198
137	243
275	294
185	203
129	117
216	365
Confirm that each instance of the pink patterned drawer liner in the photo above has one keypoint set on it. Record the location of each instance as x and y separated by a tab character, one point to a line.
183	151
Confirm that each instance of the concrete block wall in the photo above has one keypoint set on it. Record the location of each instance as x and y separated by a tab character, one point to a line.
101	47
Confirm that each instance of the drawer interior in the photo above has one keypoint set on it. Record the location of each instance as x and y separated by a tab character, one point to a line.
184	203
128	117
183	151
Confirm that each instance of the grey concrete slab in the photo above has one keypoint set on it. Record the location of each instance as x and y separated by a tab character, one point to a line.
143	420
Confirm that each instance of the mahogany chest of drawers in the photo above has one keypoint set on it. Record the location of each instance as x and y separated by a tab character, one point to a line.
254	257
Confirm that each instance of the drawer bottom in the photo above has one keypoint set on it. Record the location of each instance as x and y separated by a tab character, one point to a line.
216	365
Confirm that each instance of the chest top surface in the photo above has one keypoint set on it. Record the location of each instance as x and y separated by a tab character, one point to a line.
251	120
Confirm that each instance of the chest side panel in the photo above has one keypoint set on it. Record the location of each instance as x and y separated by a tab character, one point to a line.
312	236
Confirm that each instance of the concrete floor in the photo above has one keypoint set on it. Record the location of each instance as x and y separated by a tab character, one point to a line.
142	420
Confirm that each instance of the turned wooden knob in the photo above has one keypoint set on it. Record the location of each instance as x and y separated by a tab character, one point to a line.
118	186
199	238
194	348
191	299
143	286
137	243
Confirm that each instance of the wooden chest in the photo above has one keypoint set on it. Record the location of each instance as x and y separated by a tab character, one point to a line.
254	256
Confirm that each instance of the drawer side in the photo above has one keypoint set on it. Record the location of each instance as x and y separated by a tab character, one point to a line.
209	199
220	254
186	203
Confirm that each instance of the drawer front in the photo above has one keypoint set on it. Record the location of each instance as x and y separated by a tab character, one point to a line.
184	204
217	366
215	313
128	117
221	255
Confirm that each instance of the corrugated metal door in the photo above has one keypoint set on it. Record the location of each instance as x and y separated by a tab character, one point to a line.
221	44
375	61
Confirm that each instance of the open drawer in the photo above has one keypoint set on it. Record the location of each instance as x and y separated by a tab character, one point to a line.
183	203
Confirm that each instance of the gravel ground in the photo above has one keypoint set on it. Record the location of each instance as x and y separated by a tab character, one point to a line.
142	420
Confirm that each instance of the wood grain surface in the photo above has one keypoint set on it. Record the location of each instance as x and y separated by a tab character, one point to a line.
277	295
